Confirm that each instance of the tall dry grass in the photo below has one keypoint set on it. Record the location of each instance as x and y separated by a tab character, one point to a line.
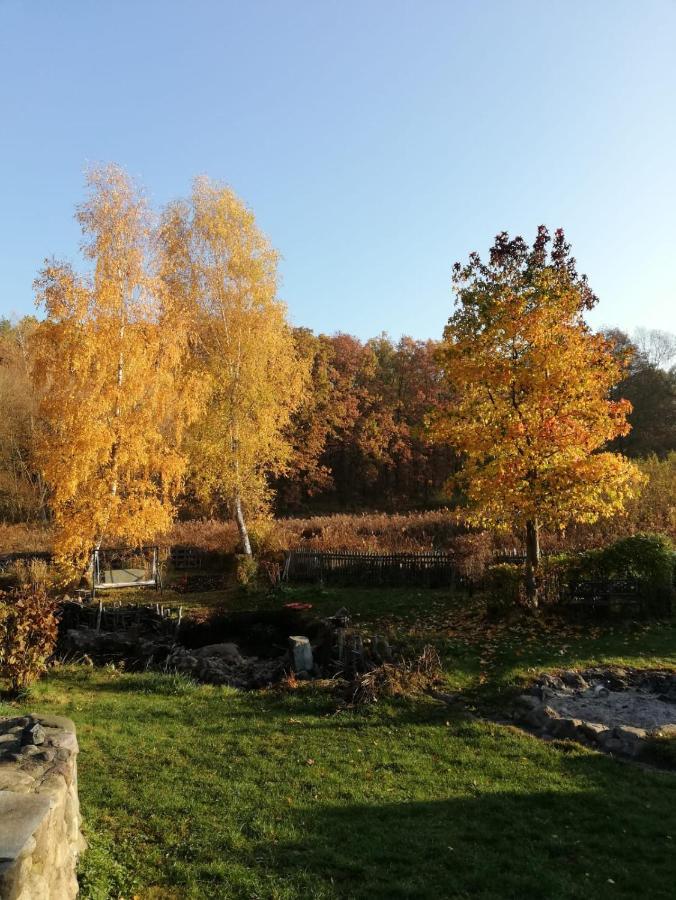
443	529
24	538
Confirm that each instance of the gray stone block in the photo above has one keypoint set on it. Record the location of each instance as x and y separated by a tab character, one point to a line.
20	815
301	653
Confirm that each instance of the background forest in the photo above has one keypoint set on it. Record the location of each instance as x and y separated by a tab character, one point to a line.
360	438
163	385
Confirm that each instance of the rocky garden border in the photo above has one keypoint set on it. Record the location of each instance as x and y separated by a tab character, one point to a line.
617	710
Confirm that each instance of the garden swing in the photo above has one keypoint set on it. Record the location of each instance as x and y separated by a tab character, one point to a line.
125	567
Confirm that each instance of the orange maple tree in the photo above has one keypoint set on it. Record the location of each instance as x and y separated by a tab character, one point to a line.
532	412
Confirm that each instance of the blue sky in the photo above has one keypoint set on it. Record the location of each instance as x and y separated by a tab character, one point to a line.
377	141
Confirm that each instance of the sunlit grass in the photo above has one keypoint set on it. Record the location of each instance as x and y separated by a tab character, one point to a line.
195	791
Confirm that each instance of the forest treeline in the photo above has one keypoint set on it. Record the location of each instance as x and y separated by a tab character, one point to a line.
162	379
359	438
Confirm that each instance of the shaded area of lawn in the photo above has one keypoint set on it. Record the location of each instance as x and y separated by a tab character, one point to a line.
198	792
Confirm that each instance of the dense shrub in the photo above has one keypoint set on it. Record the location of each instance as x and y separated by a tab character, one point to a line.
648	558
246	572
655	509
28	632
645	558
505	588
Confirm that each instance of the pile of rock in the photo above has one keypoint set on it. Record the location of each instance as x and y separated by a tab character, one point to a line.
281	641
615	710
224	664
134	648
40	838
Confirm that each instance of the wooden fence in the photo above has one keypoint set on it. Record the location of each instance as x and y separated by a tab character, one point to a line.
186	558
429	569
159	619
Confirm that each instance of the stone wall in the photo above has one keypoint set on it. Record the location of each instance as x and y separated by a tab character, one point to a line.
40	838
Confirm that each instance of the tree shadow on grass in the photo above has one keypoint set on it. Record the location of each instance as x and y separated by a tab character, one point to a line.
498	844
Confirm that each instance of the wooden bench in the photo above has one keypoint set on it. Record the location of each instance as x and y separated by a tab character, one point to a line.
606	595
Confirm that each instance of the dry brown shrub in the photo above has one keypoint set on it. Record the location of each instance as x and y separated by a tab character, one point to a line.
435	530
28	632
438	530
407	678
398	533
33	574
206	534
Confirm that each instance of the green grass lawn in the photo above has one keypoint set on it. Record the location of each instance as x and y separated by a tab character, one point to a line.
196	791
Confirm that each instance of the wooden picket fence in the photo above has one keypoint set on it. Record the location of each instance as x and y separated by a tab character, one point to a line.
359	568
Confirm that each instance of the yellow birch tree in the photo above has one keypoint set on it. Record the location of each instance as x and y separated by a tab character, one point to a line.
222	271
107	356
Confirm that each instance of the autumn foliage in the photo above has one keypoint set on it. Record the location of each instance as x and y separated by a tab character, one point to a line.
531	412
165	382
221	273
28	632
105	366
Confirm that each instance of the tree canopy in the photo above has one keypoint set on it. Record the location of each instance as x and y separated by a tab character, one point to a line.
105	365
532	412
222	272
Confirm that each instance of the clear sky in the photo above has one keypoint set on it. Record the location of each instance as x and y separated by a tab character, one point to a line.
378	141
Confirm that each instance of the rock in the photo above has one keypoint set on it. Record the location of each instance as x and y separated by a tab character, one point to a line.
34	734
565	729
40	837
229	653
529	711
527	702
301	653
13	723
11	779
21	815
613	745
538	718
30	750
623	740
592	730
553	682
341	618
528	718
632	739
10	743
629	732
355	658
574	680
600	690
664	731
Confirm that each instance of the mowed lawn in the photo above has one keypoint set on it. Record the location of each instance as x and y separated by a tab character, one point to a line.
194	791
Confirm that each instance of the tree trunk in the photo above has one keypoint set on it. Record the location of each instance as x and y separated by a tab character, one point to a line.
241	527
532	561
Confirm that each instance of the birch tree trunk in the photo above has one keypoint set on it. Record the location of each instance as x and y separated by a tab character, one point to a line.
241	527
